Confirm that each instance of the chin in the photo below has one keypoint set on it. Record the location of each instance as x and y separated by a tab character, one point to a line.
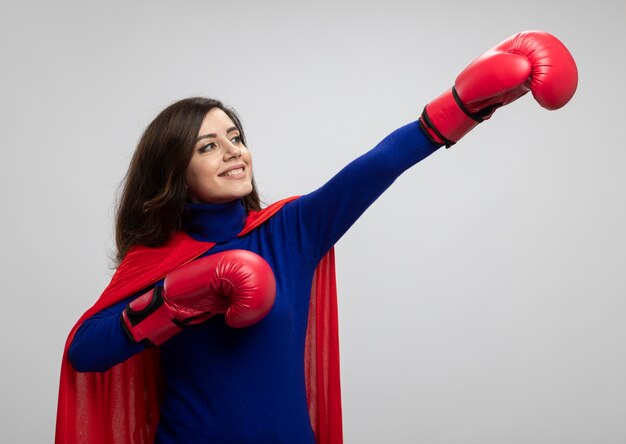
246	191
241	194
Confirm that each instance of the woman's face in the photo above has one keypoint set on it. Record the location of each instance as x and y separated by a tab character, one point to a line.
220	169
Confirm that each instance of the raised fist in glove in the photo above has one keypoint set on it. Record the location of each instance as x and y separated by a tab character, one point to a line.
529	61
238	283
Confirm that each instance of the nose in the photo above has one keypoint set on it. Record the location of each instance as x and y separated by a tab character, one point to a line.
231	150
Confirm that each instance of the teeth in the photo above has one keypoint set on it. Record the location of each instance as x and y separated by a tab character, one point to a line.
234	172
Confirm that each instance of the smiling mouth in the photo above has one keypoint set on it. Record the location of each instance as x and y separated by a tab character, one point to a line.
232	173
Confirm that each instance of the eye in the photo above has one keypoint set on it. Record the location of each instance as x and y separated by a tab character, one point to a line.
236	139
207	147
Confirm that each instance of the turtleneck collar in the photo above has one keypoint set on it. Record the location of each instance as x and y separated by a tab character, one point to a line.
214	222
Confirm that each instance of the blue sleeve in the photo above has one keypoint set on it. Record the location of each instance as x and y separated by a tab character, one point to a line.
317	220
101	342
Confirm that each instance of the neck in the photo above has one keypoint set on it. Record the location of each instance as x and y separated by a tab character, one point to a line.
214	222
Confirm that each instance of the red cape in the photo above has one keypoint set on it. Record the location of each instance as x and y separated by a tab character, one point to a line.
121	405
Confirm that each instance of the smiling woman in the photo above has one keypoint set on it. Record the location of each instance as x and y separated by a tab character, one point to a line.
220	324
220	169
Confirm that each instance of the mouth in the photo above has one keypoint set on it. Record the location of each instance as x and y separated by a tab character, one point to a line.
235	172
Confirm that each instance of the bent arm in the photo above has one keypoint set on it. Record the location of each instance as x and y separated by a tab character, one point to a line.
101	342
318	220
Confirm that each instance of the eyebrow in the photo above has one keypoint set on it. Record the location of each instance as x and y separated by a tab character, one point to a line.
206	136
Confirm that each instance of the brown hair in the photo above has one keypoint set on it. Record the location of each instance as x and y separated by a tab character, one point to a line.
154	191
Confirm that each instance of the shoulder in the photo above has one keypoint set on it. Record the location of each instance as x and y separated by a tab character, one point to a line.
257	218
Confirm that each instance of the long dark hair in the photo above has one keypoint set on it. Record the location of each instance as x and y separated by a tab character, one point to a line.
150	208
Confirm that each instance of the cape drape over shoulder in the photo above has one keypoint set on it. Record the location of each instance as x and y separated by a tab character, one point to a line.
121	405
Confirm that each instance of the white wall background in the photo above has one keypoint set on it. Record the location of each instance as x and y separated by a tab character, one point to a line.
492	308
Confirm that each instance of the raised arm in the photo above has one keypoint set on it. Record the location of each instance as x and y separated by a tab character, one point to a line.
529	61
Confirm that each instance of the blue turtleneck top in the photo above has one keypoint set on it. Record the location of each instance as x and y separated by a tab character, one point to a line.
227	385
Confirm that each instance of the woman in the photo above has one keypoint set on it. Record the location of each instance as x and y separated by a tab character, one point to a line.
171	360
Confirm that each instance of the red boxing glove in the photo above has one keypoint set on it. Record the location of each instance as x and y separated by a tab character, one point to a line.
529	61
238	283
